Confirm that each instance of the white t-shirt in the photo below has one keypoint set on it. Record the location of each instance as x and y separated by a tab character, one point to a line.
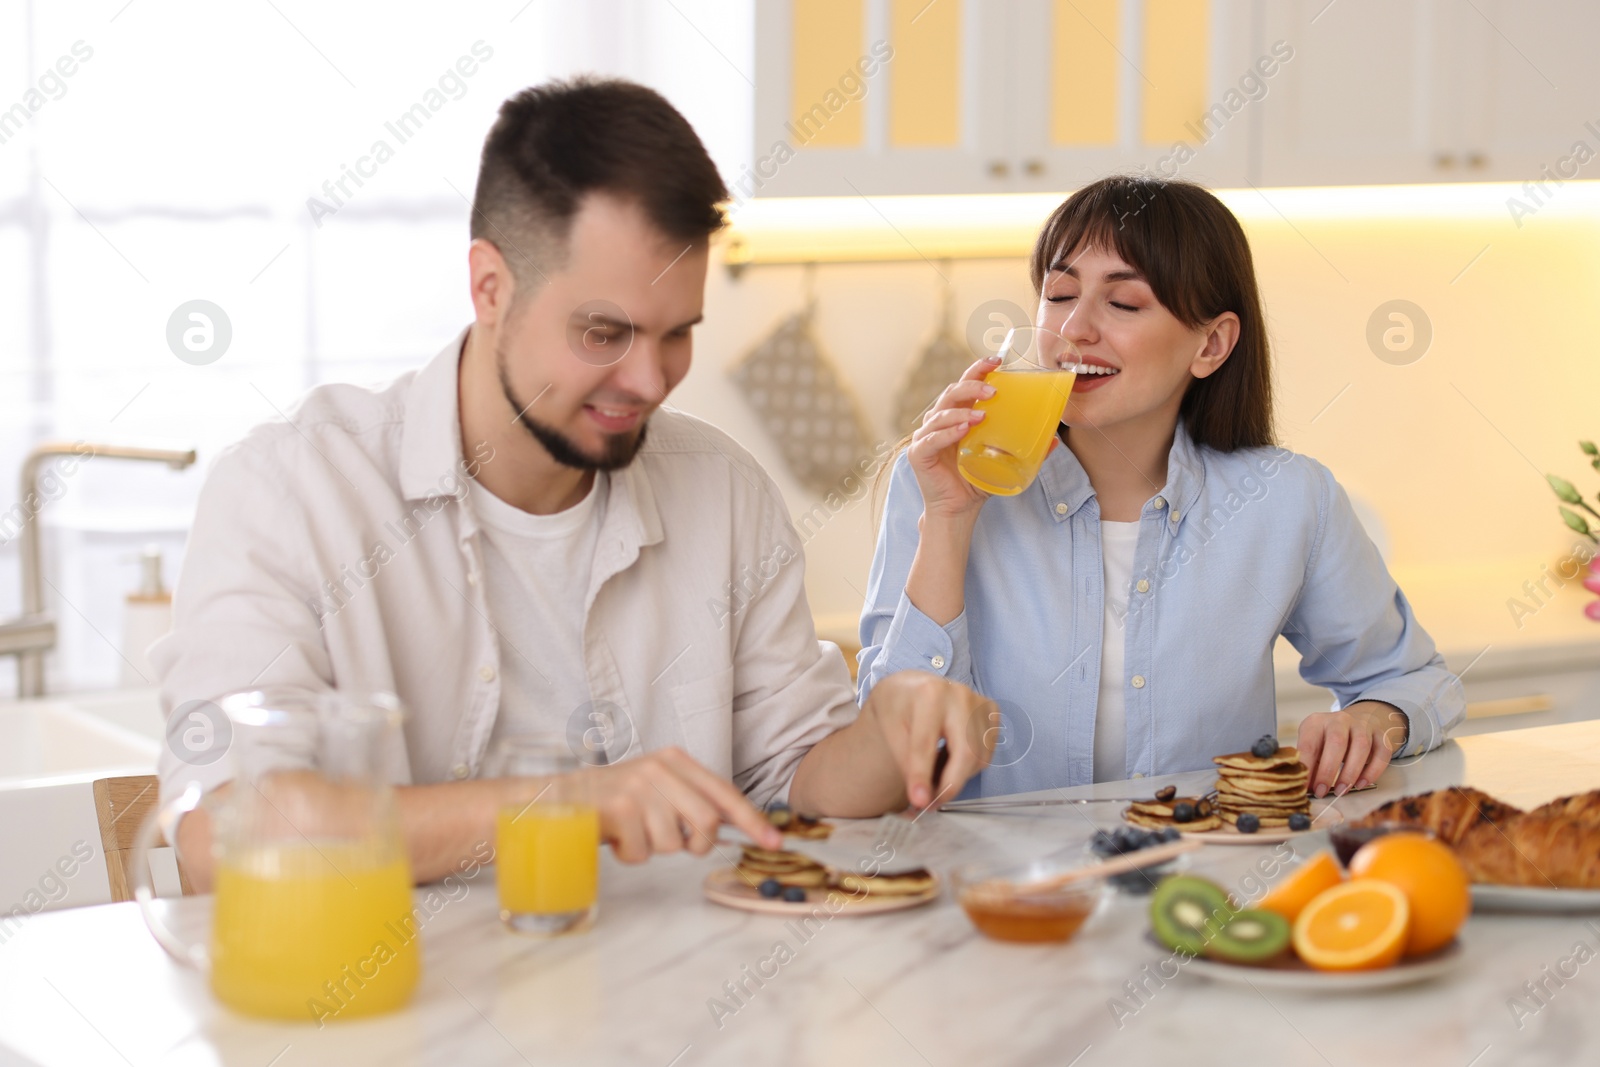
536	571
1117	543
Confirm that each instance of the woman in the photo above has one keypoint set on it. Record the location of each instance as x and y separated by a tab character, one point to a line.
1123	609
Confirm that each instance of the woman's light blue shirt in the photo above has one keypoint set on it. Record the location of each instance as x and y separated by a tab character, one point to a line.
1236	548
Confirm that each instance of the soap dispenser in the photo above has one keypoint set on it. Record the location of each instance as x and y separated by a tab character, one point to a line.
146	617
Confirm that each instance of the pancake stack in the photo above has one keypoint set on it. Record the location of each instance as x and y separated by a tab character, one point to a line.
1271	788
788	869
1158	813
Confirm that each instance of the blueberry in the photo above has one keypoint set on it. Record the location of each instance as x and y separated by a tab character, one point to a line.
1171	833
1248	823
794	895
1101	843
777	805
769	888
1132	882
1183	812
1299	821
1266	745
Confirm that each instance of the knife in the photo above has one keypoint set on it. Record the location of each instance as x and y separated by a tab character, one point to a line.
979	805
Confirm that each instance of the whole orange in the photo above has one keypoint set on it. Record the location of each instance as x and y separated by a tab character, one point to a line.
1430	876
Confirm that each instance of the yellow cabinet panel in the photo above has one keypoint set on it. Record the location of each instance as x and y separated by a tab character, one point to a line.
1084	72
828	36
925	74
1176	45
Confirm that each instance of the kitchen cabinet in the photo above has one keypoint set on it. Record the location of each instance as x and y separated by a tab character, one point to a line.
979	96
866	97
1397	91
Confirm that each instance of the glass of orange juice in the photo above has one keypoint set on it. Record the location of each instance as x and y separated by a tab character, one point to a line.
1003	453
547	851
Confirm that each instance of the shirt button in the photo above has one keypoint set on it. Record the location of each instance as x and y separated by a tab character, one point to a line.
1143	586
460	770
1061	509
1174	514
1136	774
938	663
1138	681
1160	502
486	672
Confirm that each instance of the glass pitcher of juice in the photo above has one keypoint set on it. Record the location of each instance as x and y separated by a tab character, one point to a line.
313	913
547	850
1003	453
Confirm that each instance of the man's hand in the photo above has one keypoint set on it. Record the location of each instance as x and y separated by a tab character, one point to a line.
665	802
912	710
1348	749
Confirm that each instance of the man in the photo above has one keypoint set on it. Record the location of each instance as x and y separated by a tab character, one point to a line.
518	536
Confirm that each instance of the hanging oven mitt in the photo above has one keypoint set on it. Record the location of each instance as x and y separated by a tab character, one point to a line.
806	408
944	360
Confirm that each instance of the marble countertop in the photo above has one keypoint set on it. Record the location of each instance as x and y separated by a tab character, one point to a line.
920	987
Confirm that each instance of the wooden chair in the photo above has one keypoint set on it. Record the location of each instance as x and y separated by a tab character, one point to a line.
121	805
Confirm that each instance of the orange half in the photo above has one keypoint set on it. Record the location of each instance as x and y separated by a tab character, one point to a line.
1302	885
1354	926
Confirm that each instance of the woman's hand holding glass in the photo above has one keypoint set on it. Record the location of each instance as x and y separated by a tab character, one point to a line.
945	493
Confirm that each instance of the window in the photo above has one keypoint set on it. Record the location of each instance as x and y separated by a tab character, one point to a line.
177	161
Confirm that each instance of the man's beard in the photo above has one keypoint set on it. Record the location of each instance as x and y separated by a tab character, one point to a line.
619	448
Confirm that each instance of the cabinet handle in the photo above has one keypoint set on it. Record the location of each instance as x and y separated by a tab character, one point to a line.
1033	168
1444	161
1477	160
999	168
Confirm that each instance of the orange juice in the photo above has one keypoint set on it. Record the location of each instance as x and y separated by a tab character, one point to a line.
1002	454
547	859
304	932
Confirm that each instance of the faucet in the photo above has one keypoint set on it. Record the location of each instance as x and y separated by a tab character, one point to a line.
31	635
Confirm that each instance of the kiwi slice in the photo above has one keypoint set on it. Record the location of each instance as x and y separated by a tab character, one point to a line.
1253	935
1187	912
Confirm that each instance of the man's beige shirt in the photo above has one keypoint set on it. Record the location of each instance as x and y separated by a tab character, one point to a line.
337	551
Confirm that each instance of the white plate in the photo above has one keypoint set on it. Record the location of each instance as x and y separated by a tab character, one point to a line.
1226	834
727	887
1292	975
1532	898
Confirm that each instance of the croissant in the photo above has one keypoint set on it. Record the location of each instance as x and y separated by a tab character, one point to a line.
1449	814
1536	849
1583	808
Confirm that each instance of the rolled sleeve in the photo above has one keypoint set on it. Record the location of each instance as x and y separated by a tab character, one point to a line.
1358	636
914	642
790	690
895	634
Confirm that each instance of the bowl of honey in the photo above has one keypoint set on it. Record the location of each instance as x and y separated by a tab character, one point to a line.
1021	902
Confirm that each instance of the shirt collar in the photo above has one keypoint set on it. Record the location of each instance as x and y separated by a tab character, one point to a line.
1065	484
431	463
430	440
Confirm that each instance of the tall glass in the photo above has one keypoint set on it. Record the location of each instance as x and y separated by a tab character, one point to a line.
1003	453
547	851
